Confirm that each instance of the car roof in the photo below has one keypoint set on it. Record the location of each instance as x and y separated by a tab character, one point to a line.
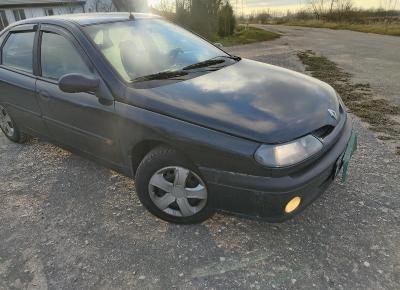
84	19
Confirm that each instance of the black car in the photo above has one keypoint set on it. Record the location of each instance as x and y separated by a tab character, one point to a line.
199	129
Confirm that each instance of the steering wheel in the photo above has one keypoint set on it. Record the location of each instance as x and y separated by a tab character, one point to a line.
173	54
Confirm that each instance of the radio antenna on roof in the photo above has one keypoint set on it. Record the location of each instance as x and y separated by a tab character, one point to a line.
131	17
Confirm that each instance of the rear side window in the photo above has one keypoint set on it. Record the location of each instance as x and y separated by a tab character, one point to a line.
17	51
60	57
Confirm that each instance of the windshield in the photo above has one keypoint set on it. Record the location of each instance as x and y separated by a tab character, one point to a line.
149	46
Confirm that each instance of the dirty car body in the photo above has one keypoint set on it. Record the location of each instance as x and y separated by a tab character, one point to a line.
256	134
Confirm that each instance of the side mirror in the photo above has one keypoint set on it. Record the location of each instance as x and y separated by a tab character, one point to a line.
219	45
77	83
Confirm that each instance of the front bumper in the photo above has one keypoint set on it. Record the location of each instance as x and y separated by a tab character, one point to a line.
266	197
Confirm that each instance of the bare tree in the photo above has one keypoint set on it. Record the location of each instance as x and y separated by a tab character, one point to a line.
389	4
166	6
344	5
331	8
332	5
318	7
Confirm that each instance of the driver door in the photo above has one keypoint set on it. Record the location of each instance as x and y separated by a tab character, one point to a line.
77	120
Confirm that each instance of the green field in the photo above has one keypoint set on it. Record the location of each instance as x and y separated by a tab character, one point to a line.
245	35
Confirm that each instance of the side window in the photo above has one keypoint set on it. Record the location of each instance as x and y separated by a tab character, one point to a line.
17	51
59	57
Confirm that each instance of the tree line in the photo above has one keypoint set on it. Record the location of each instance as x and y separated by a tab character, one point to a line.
332	11
205	17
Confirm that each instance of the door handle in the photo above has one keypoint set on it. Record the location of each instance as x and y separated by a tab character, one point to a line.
44	95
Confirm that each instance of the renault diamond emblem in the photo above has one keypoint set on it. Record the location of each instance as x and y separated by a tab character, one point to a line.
333	114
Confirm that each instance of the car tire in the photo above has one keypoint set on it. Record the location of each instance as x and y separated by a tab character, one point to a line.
10	128
171	188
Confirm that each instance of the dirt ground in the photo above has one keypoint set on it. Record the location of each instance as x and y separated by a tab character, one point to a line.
68	223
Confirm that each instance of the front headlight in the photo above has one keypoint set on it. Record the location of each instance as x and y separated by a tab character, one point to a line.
289	153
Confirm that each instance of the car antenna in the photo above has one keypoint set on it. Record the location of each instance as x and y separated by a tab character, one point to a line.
131	17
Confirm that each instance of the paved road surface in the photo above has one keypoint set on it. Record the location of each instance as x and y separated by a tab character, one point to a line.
371	58
68	223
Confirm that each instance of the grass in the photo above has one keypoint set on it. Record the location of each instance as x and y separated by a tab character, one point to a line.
245	35
378	28
381	114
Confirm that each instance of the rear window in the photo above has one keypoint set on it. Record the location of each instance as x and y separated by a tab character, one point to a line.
17	51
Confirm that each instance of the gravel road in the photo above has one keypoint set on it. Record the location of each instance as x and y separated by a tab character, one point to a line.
68	223
370	58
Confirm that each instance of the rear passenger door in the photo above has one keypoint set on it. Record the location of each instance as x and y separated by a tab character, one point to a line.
77	120
17	80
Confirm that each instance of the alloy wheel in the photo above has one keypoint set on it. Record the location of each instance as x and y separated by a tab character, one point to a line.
178	191
6	124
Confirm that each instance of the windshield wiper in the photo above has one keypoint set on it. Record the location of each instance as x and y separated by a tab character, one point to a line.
161	76
183	72
205	63
234	57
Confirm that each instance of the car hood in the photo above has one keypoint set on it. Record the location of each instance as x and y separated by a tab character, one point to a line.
249	99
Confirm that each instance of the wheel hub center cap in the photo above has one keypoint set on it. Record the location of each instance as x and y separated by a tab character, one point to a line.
179	199
179	191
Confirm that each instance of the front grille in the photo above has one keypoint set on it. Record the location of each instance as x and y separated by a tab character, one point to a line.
323	132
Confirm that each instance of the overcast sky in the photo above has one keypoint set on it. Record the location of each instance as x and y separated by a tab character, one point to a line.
284	4
250	5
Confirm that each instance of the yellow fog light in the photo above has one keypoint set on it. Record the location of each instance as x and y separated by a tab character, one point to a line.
293	204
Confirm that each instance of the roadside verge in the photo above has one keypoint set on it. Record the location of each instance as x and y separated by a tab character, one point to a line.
382	115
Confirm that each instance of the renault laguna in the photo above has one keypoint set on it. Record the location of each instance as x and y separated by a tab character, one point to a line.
199	129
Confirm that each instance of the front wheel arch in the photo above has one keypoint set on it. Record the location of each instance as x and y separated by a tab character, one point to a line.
140	150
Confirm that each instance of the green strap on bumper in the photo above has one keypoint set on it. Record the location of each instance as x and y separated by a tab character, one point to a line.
350	149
